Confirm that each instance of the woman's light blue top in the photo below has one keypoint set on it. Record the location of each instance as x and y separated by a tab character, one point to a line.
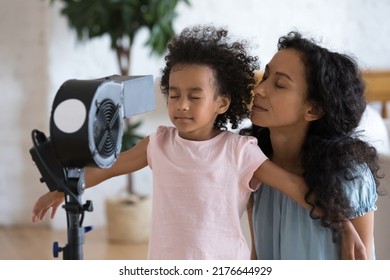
284	230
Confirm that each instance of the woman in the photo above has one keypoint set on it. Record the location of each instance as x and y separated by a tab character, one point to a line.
305	111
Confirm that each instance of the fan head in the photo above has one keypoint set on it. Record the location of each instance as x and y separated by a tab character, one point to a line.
86	124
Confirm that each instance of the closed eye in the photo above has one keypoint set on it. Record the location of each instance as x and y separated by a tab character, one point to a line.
264	77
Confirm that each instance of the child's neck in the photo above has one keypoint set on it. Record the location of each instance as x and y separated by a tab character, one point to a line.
199	135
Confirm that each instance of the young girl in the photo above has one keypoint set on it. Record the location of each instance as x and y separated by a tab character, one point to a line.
201	171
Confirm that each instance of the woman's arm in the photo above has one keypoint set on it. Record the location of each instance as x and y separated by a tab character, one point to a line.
249	210
352	246
364	225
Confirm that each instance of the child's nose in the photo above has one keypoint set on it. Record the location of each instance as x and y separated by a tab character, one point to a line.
183	104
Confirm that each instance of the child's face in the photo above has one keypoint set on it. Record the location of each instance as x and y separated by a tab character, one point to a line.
192	102
280	97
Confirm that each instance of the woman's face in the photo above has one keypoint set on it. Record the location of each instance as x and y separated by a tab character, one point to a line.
280	96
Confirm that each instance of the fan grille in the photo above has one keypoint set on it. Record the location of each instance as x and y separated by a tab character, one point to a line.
106	128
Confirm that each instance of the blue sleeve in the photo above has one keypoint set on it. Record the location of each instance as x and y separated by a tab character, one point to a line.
361	192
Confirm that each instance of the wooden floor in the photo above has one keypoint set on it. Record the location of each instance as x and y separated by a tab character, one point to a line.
36	243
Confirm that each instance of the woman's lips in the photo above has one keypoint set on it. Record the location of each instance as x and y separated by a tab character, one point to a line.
259	108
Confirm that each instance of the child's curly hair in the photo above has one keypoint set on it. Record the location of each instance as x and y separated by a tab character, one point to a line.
232	66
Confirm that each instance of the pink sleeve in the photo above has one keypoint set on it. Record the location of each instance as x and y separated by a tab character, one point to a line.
249	158
153	143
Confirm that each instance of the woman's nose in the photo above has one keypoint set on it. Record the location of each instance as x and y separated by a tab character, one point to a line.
259	90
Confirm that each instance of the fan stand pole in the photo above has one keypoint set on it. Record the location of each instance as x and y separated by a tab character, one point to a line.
75	216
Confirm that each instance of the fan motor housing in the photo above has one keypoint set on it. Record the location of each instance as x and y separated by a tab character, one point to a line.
86	124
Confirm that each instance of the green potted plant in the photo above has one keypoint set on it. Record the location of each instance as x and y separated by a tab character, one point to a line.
121	20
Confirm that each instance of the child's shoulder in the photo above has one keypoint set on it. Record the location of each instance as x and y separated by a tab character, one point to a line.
163	131
237	141
239	137
162	136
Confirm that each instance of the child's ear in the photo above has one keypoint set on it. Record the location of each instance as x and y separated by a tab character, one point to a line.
313	112
223	104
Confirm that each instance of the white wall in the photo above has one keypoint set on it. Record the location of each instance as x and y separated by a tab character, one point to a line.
23	87
38	53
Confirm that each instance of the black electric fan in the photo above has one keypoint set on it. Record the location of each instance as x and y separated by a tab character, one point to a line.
86	129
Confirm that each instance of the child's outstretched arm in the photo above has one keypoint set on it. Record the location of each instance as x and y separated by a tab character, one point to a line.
127	162
290	184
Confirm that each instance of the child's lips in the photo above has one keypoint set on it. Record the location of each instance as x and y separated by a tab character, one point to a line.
183	118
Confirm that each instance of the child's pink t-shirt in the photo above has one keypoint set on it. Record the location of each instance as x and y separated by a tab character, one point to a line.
199	195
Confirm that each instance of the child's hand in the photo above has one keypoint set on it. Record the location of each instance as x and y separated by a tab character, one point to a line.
352	247
45	202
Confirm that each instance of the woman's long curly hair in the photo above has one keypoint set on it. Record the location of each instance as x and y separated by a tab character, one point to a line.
229	60
332	150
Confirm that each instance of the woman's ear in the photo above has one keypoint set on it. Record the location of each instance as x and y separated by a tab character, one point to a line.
314	112
223	104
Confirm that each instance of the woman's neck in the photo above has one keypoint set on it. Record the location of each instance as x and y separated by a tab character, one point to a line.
287	149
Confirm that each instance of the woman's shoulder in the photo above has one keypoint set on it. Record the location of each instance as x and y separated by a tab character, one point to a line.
360	188
359	176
